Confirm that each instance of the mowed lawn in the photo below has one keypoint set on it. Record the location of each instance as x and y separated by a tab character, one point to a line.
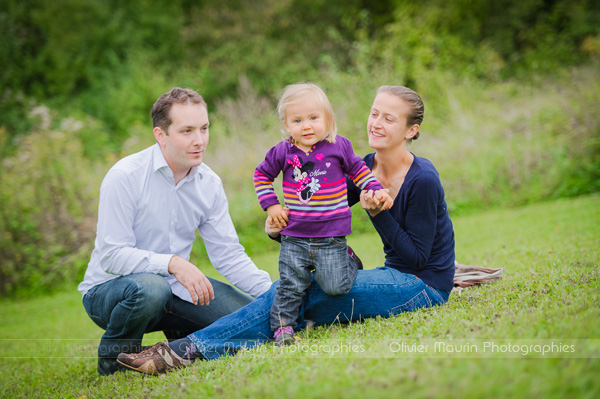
535	334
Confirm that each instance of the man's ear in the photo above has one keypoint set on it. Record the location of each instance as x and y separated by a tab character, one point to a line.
412	132
159	135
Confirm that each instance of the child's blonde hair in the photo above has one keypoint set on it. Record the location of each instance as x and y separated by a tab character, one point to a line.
293	94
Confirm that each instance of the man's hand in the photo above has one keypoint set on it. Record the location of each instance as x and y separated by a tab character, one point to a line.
192	279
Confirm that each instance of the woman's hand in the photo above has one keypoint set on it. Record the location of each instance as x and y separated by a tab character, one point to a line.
371	203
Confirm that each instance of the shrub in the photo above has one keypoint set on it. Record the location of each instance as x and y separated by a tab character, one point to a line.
48	193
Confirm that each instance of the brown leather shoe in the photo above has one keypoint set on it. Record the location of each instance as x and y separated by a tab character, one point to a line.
155	360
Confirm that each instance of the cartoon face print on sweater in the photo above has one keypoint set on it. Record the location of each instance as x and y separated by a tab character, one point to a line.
307	186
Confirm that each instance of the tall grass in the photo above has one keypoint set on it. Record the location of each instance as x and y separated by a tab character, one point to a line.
497	144
48	192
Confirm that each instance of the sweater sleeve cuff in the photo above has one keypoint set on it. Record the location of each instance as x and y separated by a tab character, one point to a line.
269	202
375	186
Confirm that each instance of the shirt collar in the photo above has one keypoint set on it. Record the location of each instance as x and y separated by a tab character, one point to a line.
158	158
159	162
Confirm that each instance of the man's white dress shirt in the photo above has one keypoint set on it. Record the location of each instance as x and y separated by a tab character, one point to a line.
144	219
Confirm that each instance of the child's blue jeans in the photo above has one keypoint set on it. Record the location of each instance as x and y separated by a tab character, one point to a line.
331	266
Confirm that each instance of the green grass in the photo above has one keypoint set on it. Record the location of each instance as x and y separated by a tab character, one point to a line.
550	253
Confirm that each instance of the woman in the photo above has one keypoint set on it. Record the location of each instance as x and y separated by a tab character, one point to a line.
416	232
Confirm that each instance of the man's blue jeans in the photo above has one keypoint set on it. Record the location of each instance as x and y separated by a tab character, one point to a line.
377	292
127	307
334	271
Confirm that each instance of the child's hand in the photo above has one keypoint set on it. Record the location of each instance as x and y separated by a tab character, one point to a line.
270	228
278	216
383	197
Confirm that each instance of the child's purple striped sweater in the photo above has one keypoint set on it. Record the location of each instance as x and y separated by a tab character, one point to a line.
314	185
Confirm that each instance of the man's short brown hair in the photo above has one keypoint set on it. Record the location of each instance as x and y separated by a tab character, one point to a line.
162	107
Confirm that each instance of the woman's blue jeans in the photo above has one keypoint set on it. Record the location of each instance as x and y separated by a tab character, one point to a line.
377	292
127	307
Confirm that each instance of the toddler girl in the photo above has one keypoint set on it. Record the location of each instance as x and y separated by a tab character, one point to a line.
314	162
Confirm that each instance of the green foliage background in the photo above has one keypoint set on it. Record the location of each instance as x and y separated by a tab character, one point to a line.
511	89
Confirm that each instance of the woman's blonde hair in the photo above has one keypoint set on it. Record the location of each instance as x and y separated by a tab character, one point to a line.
295	93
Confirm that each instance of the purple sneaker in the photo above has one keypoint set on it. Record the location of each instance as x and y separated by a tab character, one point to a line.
284	336
355	258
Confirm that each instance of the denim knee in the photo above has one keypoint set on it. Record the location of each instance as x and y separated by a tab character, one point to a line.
337	283
337	289
148	293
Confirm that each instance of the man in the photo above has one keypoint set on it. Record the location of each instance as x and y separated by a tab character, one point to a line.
139	278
